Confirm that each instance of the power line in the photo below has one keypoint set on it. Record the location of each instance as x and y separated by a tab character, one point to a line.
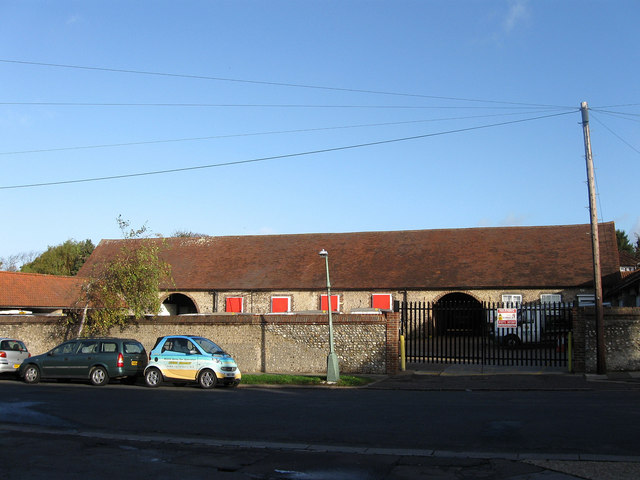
277	157
260	82
248	105
619	114
617	106
277	132
615	134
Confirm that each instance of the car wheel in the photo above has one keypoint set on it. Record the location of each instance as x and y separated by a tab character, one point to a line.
207	379
152	377
32	374
99	376
511	341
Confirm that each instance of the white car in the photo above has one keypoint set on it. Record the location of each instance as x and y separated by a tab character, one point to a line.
12	353
186	358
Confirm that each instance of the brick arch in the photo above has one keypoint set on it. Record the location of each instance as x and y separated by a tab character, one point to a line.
458	313
177	303
457	296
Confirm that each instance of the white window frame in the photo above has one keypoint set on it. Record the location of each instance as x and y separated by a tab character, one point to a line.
512	299
586	299
281	297
550	298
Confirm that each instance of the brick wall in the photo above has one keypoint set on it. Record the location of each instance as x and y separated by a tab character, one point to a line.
621	338
259	343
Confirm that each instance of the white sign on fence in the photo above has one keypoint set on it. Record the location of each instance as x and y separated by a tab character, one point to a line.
507	318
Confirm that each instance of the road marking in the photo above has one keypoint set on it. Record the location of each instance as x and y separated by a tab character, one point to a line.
360	450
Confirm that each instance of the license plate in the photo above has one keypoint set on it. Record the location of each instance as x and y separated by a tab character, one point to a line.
230	374
16	365
134	362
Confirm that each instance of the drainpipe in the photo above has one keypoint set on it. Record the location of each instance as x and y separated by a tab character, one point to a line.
214	299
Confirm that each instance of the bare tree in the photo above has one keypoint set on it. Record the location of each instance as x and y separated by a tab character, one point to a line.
13	263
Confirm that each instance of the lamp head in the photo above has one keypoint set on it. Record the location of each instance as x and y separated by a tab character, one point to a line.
323	253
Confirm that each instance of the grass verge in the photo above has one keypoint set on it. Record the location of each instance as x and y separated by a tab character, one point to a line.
278	379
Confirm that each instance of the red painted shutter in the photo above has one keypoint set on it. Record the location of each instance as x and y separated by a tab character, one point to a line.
334	303
279	304
381	301
234	304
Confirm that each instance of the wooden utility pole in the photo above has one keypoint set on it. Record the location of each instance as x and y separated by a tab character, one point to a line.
595	244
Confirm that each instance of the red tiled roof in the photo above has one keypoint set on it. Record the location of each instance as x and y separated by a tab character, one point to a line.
628	260
505	257
31	290
628	279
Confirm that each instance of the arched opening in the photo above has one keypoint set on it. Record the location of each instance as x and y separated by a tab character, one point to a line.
458	314
178	304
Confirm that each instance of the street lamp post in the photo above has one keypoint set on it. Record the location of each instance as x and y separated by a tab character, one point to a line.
333	371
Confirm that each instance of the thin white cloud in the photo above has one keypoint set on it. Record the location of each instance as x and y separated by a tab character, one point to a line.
636	228
518	13
510	220
513	220
484	222
10	118
501	22
73	19
266	231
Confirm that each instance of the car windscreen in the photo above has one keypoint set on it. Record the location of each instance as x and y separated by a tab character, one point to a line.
208	346
14	345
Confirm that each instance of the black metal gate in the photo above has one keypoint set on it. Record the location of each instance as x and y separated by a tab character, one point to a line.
487	334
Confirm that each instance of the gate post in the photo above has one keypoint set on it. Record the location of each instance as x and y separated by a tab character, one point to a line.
393	339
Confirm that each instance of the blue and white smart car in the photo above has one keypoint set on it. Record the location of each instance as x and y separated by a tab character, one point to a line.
186	358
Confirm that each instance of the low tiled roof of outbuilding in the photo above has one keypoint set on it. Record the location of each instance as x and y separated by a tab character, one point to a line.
33	290
628	260
628	279
499	257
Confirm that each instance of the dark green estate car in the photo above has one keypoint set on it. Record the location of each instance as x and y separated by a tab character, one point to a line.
93	359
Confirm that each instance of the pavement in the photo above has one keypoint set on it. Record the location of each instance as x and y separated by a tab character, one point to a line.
457	377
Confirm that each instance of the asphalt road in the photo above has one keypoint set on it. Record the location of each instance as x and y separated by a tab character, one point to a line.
596	422
382	425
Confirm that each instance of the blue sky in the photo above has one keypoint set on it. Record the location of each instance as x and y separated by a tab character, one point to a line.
491	90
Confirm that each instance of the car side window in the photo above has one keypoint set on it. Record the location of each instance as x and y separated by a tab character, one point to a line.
192	348
176	345
168	345
65	348
87	347
109	347
180	345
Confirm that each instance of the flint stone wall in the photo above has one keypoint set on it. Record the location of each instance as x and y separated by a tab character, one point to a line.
259	343
621	339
